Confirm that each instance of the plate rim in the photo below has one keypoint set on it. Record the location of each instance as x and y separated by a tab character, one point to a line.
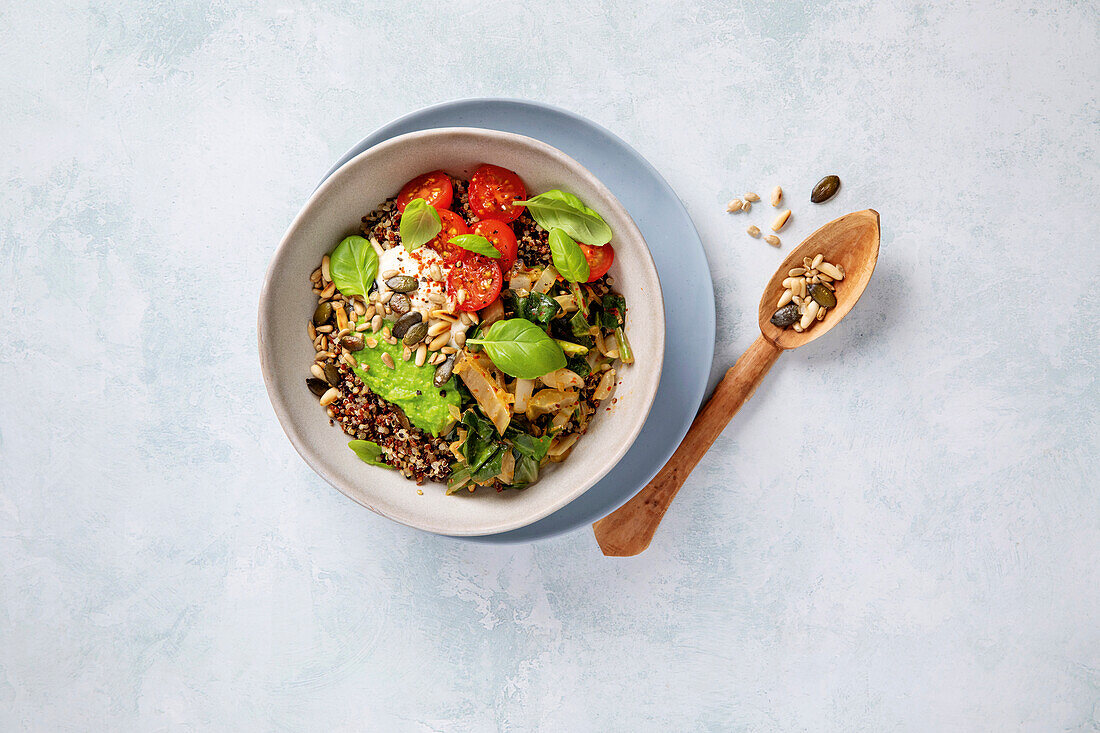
393	127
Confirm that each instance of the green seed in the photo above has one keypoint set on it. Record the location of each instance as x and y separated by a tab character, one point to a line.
317	386
332	375
786	316
404	323
415	334
399	303
822	295
402	283
323	313
443	372
825	189
351	343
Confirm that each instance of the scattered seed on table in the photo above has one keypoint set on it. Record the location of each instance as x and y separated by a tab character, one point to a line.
753	231
772	240
734	206
781	220
750	196
777	196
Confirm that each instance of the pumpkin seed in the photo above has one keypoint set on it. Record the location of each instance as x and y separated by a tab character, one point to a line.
822	295
404	323
402	284
317	386
399	303
352	343
786	315
825	189
443	372
322	314
332	375
416	333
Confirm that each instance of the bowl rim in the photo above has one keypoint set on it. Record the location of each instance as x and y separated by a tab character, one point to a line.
265	314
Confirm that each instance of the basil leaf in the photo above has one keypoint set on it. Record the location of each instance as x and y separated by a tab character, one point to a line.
476	243
521	349
540	308
565	211
526	473
353	266
569	260
579	324
491	468
368	452
579	366
419	224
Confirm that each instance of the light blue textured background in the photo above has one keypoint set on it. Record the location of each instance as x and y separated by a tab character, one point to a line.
900	532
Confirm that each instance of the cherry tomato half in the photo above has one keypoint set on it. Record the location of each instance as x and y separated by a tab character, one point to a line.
492	191
480	277
599	260
502	237
453	225
434	187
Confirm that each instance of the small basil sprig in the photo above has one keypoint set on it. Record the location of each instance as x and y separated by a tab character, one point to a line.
569	260
565	211
476	243
420	223
521	349
368	452
353	266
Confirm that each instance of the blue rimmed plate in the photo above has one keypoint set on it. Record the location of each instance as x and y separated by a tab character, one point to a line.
681	264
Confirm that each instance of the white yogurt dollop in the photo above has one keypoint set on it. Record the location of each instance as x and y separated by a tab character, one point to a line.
416	264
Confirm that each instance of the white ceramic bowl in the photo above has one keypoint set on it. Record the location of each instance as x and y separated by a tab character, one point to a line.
286	303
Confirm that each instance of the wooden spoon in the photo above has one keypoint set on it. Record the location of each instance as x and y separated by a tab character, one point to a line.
851	242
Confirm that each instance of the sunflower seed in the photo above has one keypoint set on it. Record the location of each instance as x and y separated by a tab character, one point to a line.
817	261
772	240
388	360
734	205
750	196
753	231
421	355
326	273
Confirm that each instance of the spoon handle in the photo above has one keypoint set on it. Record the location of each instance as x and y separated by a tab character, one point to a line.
629	529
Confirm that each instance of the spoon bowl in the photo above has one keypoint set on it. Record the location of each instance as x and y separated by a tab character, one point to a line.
851	242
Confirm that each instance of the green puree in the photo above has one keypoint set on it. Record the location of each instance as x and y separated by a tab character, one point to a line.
409	387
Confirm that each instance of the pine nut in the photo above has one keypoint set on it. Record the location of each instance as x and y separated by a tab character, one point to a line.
348	359
341	319
777	196
817	261
388	360
388	274
444	314
324	329
438	327
435	273
750	196
781	220
421	355
460	338
833	271
811	312
474	318
385	297
316	370
785	298
753	231
326	273
746	207
437	298
440	341
795	272
461	296
448	350
362	327
772	240
821	313
798	328
733	206
330	396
